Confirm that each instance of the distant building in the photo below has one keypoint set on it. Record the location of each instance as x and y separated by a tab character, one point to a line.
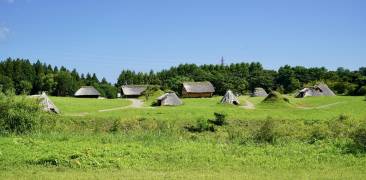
133	91
169	99
87	92
230	98
317	90
197	89
259	92
46	103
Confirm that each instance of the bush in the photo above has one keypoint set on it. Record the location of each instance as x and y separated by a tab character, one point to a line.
361	91
201	126
266	133
359	138
318	133
18	114
220	119
115	126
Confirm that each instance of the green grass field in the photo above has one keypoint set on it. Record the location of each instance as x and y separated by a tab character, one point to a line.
317	108
312	141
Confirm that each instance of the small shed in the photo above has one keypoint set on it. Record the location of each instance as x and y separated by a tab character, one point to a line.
197	89
169	99
317	90
133	91
87	92
230	98
259	92
46	103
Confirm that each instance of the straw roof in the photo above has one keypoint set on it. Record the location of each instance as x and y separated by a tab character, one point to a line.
325	90
87	91
317	90
133	90
259	92
198	87
46	103
230	98
169	99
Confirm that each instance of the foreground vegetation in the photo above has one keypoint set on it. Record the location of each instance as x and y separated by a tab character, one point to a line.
311	138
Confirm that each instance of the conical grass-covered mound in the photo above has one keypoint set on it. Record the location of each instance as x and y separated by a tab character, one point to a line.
275	97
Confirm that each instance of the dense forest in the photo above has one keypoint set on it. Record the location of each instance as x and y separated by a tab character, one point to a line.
24	77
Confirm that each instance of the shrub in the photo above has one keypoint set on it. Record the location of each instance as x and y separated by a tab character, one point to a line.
318	133
220	119
266	133
19	114
361	91
115	126
359	138
201	125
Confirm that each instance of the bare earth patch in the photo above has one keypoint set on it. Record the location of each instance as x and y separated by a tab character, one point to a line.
248	105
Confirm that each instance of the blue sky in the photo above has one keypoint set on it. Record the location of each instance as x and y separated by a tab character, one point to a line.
107	36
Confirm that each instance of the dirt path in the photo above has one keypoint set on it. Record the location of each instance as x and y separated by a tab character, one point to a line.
322	106
136	103
248	105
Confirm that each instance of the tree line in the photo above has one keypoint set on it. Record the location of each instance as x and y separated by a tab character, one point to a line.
243	77
24	77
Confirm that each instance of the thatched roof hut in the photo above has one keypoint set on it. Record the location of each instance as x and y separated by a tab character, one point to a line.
259	92
275	97
317	90
87	92
46	103
230	98
169	99
198	89
133	90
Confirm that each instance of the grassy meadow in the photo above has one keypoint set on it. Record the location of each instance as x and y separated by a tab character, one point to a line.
308	138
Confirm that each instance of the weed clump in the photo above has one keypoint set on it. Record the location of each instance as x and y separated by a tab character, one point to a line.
208	125
266	133
359	139
318	133
201	126
220	119
115	126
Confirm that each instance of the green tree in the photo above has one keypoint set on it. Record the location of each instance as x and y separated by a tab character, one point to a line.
25	87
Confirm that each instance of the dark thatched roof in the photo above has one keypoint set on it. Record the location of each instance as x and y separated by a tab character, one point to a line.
198	87
87	91
133	90
169	99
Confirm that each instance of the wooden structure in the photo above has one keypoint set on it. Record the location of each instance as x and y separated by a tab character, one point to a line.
133	91
87	92
197	89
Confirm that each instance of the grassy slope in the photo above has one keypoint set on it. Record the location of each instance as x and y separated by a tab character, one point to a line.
69	105
144	154
197	108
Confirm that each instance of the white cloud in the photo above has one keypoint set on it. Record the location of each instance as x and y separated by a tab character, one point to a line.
4	31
